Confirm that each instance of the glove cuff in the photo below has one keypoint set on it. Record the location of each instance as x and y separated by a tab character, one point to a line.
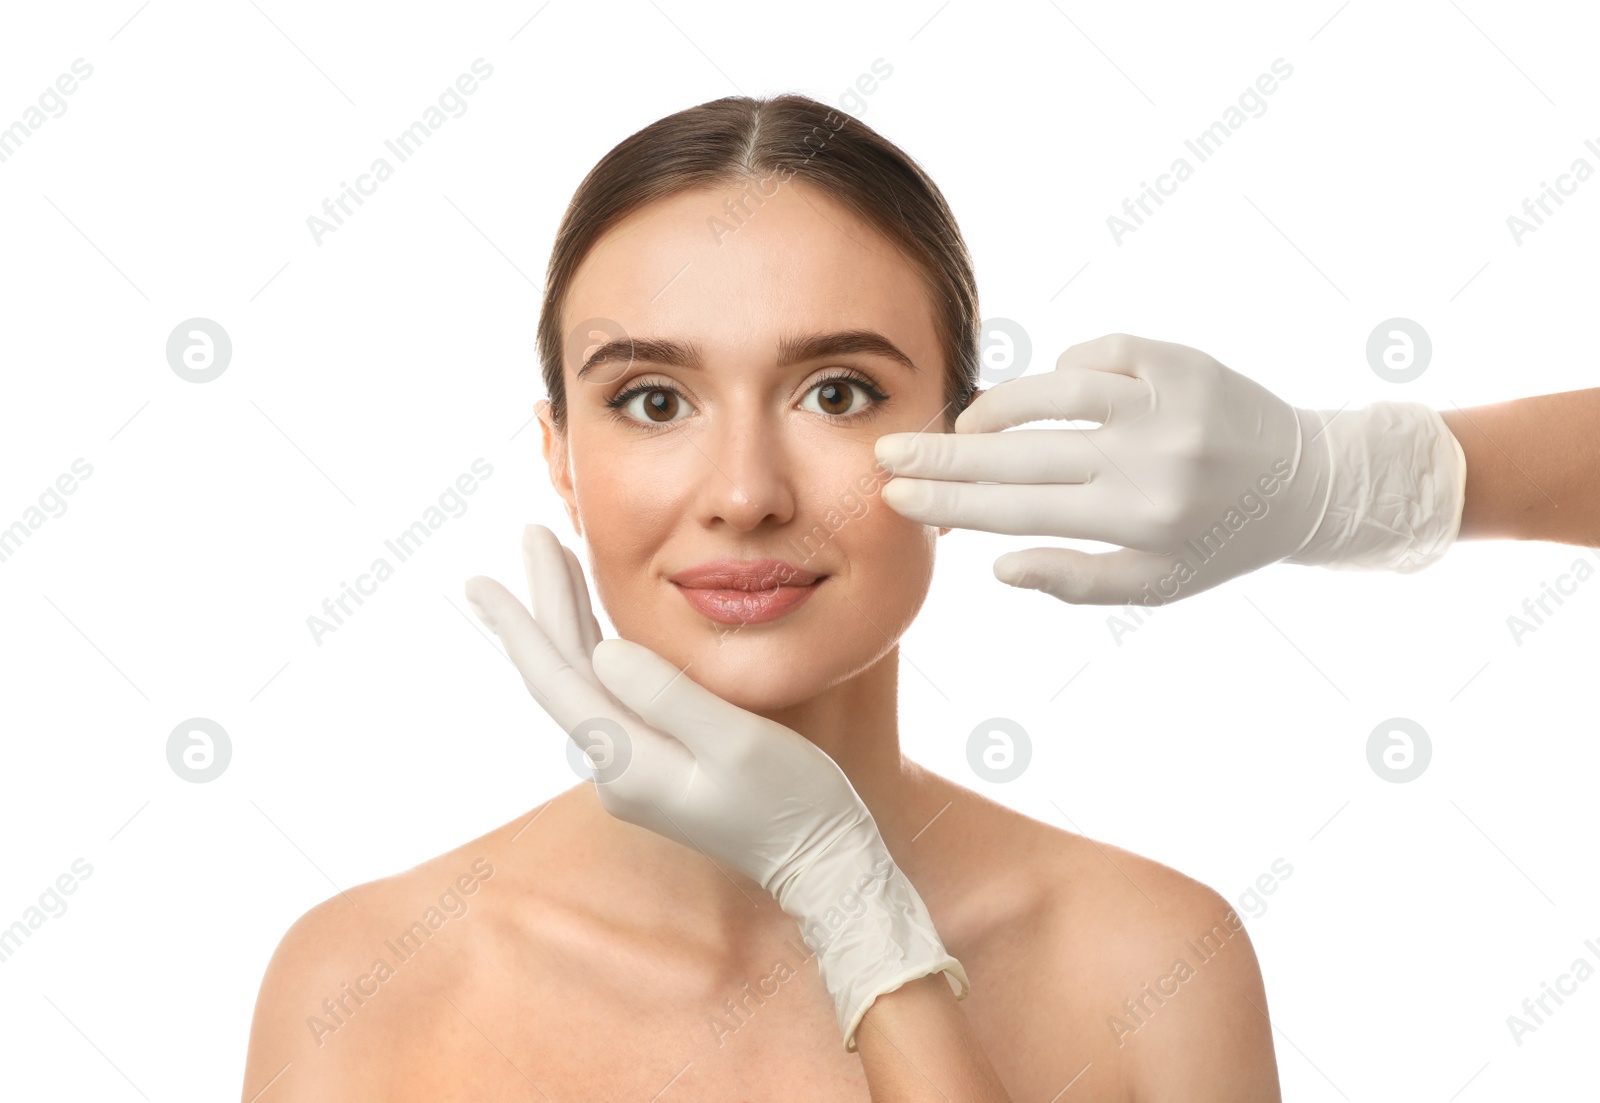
870	930
1397	484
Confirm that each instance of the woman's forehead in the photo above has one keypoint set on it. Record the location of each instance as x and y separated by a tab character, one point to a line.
798	262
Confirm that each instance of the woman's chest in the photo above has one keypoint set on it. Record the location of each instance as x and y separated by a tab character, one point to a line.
612	1023
776	1043
625	1026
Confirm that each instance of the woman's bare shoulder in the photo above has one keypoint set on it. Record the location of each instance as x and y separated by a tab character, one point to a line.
1054	868
1160	970
1180	995
366	968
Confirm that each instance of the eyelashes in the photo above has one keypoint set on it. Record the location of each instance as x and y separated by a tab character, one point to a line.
619	402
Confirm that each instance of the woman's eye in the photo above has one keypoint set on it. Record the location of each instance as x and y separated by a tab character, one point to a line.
655	405
835	397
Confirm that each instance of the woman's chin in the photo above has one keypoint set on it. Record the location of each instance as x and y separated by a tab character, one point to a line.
753	683
755	678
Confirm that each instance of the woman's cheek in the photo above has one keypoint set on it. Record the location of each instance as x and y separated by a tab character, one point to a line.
622	532
890	563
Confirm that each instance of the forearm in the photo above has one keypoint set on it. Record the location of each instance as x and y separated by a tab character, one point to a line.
1533	468
871	931
915	1044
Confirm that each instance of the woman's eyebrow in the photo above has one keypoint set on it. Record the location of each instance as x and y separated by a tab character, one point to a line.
791	350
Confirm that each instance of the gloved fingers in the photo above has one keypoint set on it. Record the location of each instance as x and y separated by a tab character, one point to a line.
1066	394
1117	353
553	602
1124	354
1035	456
1092	578
652	766
562	690
587	624
1107	509
714	730
639	773
1183	380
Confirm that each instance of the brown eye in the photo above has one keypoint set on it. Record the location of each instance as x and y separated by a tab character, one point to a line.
836	398
660	405
650	405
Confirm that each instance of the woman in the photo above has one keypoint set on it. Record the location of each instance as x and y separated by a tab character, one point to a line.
755	290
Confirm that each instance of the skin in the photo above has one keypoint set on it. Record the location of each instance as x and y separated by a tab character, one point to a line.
597	958
1533	468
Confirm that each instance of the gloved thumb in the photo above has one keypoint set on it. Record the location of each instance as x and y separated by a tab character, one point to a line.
666	698
1085	578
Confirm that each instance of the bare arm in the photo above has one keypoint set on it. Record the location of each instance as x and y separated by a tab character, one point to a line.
292	1054
1533	468
1201	1026
915	1045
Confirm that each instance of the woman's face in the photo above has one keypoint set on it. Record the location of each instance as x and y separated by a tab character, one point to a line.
739	442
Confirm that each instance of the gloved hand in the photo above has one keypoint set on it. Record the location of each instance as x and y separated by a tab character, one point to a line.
746	791
1198	472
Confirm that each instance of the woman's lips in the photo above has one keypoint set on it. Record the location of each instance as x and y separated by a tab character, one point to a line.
745	591
747	606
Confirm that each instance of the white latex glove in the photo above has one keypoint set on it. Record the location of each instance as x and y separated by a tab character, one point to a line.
1198	472
747	792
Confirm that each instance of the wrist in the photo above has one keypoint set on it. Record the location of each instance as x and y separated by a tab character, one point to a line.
869	929
1396	485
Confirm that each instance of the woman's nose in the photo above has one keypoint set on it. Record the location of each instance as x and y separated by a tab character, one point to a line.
748	476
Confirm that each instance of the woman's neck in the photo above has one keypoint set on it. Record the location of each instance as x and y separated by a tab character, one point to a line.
659	880
857	723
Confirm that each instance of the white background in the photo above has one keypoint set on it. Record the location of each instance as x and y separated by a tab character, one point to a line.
369	371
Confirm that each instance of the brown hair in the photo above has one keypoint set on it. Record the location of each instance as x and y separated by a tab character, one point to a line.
743	138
